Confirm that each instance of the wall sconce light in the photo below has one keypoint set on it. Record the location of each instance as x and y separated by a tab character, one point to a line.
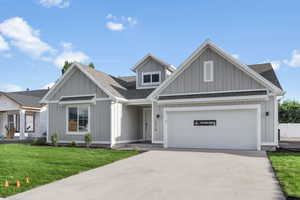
267	113
157	116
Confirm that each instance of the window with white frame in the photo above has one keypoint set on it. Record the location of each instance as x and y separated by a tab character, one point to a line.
78	119
149	78
208	71
29	122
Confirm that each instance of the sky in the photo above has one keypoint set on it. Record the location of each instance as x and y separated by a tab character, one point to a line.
37	36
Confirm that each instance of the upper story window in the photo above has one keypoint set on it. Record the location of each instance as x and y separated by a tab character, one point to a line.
149	78
78	119
208	71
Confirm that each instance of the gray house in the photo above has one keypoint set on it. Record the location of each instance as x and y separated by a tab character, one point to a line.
210	101
23	114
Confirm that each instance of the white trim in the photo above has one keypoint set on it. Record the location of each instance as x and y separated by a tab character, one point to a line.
149	55
112	123
138	102
228	57
67	119
157	142
268	144
215	99
144	131
58	84
152	121
147	87
80	142
213	92
48	124
127	141
209	64
209	108
276	121
151	83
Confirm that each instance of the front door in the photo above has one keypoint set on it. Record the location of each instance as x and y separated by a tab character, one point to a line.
147	128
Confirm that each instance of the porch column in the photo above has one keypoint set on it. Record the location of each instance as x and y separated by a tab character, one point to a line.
22	124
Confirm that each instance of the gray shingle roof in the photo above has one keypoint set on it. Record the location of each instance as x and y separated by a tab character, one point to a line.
29	98
266	70
123	87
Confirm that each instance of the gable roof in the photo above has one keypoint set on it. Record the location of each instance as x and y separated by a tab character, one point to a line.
169	67
266	70
29	98
209	44
115	87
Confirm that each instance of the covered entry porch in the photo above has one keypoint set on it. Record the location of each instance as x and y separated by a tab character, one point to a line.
17	124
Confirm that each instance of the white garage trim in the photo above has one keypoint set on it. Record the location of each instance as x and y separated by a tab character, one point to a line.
256	107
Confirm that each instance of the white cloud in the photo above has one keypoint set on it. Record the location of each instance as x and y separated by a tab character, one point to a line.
115	26
66	45
10	88
55	3
236	56
295	59
24	37
131	20
3	44
49	85
119	23
71	56
7	55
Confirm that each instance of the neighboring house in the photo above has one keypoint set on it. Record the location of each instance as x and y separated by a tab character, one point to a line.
23	112
211	101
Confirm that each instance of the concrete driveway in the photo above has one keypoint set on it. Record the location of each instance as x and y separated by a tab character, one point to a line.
170	175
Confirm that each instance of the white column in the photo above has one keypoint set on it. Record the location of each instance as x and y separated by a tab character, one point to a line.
22	124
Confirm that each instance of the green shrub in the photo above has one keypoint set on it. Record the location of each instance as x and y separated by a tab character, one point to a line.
54	139
88	139
73	144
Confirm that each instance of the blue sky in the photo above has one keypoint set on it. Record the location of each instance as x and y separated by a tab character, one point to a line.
37	35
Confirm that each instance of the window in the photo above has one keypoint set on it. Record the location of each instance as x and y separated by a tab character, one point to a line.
29	122
14	122
78	119
151	78
208	71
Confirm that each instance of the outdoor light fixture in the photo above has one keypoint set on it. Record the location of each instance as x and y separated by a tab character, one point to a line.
157	116
267	113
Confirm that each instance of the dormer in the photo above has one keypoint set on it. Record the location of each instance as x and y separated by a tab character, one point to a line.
151	72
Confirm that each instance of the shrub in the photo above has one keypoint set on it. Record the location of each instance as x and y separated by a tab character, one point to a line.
73	144
289	112
54	139
88	139
39	141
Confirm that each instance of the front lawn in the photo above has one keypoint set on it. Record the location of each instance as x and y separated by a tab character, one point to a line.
287	169
44	164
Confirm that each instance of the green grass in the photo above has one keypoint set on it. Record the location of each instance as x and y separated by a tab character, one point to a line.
45	164
287	169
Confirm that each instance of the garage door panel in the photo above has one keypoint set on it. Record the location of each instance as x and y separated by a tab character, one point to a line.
235	129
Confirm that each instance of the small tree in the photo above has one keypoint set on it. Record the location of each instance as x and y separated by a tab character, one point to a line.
88	139
92	65
73	144
289	112
54	139
66	66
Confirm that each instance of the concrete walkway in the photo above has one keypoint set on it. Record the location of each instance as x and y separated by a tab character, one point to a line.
173	175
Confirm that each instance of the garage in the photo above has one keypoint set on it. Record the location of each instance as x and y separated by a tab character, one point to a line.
213	127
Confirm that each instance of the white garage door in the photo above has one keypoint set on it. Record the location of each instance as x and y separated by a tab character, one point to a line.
216	129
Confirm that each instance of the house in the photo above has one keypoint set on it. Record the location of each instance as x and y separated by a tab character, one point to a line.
22	112
211	100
